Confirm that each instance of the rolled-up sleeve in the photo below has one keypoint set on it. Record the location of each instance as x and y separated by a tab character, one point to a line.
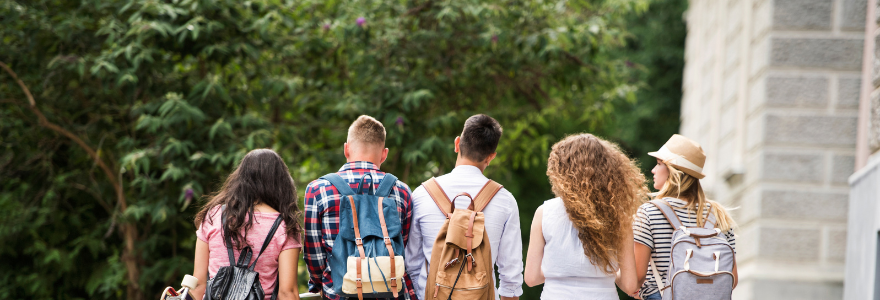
509	261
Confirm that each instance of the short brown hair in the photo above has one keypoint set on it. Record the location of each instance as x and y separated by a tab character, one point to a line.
480	137
367	130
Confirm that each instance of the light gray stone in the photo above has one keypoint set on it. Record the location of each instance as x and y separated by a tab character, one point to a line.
836	245
767	289
802	14
789	244
848	92
797	91
811	130
874	123
842	54
795	205
793	167
841	168
875	79
853	15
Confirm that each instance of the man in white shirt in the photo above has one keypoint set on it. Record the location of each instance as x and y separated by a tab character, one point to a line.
476	148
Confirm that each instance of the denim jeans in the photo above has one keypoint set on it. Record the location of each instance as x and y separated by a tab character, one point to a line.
654	296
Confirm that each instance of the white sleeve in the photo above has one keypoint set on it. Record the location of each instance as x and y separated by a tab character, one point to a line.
510	260
415	257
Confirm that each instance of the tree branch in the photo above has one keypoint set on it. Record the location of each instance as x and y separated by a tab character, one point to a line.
129	231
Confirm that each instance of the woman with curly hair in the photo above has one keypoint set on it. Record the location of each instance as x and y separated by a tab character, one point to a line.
582	241
677	176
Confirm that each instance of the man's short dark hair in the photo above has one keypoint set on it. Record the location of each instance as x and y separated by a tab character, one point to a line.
480	137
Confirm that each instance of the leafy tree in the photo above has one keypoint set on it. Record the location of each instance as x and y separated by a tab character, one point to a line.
116	116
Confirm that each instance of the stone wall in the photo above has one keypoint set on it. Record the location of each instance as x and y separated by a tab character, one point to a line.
771	91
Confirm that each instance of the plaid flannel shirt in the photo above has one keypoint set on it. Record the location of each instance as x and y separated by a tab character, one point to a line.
322	223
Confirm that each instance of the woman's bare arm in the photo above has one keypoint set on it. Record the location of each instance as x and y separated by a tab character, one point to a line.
627	279
288	289
534	276
200	267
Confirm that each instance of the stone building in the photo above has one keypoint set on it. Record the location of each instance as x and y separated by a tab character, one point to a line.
772	91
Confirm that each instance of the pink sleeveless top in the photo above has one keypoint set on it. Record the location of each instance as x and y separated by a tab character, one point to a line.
211	232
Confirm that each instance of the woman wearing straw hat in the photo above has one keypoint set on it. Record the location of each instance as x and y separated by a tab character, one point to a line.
677	177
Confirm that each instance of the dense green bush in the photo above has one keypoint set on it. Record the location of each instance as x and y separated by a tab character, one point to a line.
136	102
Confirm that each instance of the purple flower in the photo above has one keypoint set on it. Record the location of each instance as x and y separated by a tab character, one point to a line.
189	194
360	21
326	26
630	64
494	38
399	121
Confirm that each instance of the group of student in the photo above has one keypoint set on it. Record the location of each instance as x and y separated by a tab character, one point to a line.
599	231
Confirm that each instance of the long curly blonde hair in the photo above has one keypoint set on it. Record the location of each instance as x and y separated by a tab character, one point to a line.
601	189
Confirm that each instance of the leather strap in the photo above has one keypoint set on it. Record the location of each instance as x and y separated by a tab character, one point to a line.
437	194
360	246
387	240
485	195
470	241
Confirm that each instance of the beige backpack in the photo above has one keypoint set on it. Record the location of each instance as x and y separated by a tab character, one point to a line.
461	260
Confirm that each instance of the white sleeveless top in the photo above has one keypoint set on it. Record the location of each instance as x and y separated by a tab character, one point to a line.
568	273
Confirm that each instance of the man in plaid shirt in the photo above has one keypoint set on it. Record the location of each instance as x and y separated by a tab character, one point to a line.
365	151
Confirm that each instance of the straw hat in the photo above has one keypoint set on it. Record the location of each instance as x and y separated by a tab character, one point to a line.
684	154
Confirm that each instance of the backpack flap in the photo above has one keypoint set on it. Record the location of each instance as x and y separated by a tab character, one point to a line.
458	229
368	215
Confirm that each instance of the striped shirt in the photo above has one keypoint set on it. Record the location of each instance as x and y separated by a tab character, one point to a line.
651	229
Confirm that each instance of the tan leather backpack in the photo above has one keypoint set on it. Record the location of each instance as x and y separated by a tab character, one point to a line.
461	260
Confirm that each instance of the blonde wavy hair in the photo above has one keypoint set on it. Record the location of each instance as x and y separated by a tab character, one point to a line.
686	187
601	189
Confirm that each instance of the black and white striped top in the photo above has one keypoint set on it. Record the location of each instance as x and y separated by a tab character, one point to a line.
651	229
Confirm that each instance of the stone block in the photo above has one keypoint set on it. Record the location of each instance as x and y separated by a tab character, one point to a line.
757	93
763	17
755	136
811	206
797	91
766	289
760	56
848	90
793	167
875	79
842	54
836	251
842	166
810	130
802	14
789	244
874	126
853	14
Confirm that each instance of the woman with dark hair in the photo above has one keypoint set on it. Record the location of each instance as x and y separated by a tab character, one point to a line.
581	242
247	205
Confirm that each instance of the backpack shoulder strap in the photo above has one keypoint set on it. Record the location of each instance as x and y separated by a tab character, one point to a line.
388	183
485	195
266	242
339	183
668	212
438	195
710	221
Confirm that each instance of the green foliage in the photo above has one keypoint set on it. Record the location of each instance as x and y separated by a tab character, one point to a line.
172	93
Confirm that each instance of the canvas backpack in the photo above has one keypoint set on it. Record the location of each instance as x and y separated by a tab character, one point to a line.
461	260
367	256
701	261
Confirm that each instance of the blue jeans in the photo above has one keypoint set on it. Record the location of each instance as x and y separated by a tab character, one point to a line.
654	296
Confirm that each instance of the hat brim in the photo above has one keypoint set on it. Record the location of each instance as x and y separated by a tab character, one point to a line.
664	158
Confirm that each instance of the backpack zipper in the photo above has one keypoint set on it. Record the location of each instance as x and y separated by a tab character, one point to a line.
438	286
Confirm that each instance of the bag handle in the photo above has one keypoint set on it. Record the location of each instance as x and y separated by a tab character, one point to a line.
361	184
452	202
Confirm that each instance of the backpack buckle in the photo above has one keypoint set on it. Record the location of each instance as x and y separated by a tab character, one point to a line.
387	240
359	241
